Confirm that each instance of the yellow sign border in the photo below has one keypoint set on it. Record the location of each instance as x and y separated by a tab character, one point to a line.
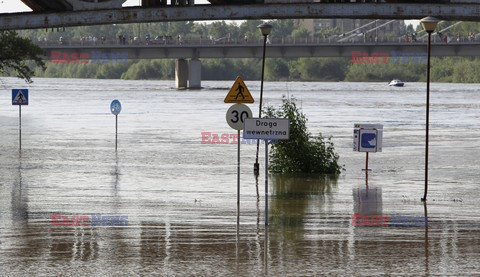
239	88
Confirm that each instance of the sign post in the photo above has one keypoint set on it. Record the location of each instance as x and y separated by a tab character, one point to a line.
367	138
266	129
20	98
236	116
116	108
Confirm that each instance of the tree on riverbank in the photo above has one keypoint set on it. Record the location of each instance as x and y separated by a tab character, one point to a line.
15	52
301	153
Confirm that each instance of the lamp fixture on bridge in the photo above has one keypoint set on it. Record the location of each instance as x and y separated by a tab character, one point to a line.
265	28
429	24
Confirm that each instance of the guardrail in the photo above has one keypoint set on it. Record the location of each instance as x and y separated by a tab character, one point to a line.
245	42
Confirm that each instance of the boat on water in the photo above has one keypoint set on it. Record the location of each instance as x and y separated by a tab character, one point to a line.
396	83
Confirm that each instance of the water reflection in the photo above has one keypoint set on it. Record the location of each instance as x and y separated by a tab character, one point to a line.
367	201
19	195
425	213
294	194
115	173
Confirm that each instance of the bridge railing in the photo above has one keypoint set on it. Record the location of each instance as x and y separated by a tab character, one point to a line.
287	41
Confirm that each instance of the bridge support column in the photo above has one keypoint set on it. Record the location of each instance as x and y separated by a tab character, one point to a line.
195	74
181	73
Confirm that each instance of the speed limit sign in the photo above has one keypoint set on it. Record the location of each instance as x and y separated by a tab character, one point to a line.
236	116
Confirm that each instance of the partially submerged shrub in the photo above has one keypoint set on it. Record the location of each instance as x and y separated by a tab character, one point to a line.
302	153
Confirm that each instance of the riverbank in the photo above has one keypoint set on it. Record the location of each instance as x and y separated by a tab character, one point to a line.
447	70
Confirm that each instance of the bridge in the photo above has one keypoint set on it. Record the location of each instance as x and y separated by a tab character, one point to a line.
109	12
196	49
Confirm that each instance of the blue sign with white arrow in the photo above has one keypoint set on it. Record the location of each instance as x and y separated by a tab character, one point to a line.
368	140
367	137
116	107
19	97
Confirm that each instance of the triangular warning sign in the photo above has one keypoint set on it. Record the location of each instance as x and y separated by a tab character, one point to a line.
239	93
20	98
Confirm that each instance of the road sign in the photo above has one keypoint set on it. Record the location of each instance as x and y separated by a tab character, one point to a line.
239	93
266	128
19	97
115	107
367	137
236	116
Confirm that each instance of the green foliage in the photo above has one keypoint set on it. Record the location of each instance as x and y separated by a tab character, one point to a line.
467	72
15	52
249	29
276	69
300	32
385	72
282	27
149	70
218	29
229	69
301	153
323	69
326	32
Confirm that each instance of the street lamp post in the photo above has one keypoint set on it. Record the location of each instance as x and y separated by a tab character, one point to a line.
429	24
265	28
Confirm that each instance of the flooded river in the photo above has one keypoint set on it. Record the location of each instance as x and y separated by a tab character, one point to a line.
177	196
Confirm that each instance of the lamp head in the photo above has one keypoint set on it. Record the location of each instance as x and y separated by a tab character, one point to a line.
429	23
265	28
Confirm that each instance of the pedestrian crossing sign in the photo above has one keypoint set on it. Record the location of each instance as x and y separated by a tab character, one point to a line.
19	96
239	93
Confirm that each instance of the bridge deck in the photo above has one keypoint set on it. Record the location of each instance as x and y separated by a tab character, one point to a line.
464	12
287	49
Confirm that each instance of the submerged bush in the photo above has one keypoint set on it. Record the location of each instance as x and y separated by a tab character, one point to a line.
302	153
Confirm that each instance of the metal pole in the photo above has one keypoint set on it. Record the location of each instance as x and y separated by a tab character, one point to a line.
256	166
266	182
20	125
238	177
366	163
116	132
427	117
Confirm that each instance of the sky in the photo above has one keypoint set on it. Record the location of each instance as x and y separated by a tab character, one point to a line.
18	6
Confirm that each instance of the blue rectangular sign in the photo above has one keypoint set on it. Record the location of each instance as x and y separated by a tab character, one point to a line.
19	97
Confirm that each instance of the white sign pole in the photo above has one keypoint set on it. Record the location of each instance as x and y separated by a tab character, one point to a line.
116	132
235	117
238	177
266	182
20	126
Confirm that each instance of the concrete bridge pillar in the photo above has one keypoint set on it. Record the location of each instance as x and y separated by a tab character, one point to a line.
181	73
195	74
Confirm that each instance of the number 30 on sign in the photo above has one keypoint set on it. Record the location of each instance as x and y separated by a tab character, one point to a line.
236	115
